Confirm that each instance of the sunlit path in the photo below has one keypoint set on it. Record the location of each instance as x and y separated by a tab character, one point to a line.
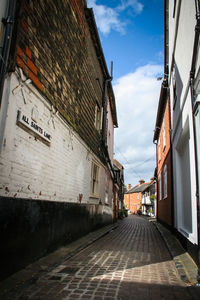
131	262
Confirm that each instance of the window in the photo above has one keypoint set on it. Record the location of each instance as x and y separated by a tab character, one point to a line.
165	180
98	117
106	198
160	187
95	180
164	135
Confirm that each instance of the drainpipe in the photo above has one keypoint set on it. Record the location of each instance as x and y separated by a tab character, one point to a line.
193	99
8	23
171	153
156	178
104	104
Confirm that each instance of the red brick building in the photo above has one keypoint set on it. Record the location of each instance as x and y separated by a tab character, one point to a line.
164	158
133	197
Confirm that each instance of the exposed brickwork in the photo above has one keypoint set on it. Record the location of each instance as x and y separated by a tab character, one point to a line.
56	51
165	204
133	201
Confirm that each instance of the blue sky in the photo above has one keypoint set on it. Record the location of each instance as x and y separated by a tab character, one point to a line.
131	33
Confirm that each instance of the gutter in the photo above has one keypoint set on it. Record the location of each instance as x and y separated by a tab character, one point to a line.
193	103
104	141
161	107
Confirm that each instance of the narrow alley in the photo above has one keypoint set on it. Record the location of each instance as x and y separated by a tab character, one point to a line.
130	262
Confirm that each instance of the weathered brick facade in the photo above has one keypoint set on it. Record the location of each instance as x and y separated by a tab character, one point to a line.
164	160
57	48
55	169
133	201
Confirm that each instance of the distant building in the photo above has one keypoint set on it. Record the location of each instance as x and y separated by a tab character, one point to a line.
119	183
148	199
133	196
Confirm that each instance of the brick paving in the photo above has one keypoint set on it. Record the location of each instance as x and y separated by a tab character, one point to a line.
131	262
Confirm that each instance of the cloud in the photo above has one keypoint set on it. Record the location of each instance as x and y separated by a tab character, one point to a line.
137	97
108	18
135	4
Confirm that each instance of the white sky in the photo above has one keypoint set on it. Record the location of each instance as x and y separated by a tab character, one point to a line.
136	97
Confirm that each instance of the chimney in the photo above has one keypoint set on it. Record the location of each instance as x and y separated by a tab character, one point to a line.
129	186
141	181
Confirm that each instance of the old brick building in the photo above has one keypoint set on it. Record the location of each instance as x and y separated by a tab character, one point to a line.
164	158
133	196
119	187
57	122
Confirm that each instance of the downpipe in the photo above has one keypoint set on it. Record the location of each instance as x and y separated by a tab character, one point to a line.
8	23
104	104
156	178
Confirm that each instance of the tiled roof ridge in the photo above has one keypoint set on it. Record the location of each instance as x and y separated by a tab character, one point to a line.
135	188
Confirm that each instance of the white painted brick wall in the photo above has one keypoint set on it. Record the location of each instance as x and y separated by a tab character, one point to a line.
29	168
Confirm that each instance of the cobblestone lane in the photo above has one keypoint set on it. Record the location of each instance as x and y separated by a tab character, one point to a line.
131	262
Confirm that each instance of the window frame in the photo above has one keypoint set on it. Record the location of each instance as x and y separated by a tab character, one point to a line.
94	185
98	117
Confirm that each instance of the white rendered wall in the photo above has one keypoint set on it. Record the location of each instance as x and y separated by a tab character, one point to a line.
182	134
29	167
